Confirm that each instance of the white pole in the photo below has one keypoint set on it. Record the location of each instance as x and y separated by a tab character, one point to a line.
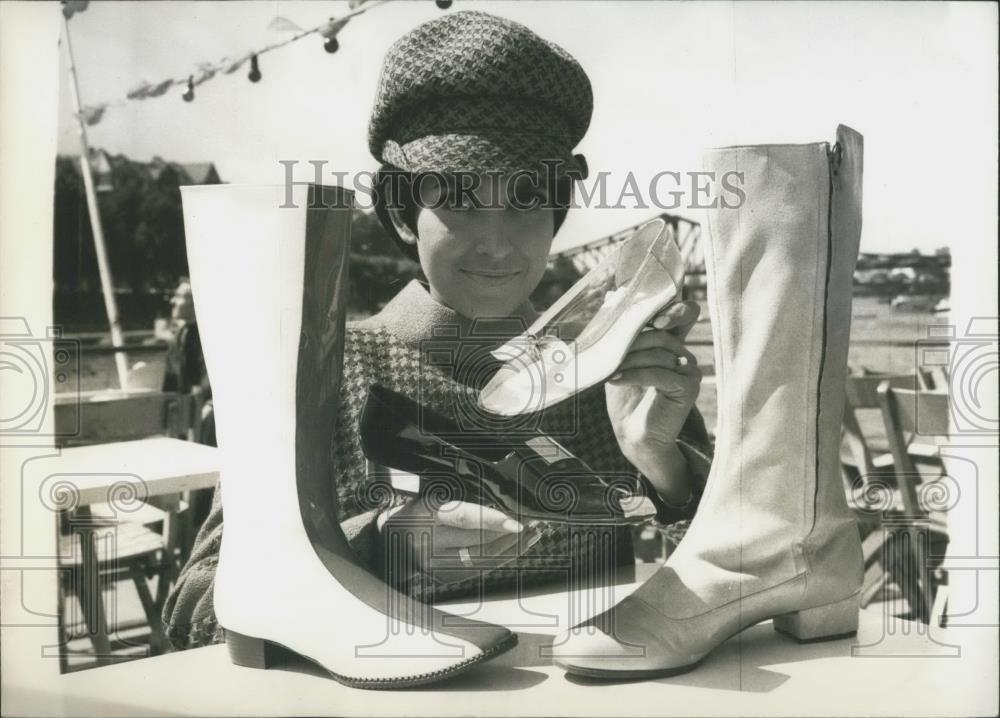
107	284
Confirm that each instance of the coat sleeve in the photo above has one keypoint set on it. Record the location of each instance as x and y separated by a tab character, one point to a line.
594	442
188	614
696	445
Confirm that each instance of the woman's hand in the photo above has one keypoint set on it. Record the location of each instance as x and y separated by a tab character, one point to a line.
459	534
650	397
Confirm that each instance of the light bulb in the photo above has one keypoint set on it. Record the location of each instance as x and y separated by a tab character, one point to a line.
254	75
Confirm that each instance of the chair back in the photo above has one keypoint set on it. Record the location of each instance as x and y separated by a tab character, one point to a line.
909	413
861	392
100	418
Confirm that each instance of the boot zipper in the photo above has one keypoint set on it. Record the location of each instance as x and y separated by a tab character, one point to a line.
834	159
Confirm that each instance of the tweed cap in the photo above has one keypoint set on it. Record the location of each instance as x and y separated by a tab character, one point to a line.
472	92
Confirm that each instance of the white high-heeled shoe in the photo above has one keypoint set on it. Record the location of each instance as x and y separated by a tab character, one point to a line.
270	282
582	338
773	536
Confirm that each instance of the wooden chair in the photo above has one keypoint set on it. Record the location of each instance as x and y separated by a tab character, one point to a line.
865	448
106	416
913	415
102	546
860	456
869	470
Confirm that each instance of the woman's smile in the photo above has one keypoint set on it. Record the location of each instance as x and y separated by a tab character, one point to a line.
492	277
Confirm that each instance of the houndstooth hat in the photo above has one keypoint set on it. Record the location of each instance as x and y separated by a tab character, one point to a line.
472	92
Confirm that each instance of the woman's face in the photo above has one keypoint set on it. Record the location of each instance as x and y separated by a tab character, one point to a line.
181	306
483	261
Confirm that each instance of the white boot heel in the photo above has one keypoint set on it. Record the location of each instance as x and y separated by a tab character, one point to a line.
247	651
823	623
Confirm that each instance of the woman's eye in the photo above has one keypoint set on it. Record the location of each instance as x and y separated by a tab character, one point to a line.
528	198
456	200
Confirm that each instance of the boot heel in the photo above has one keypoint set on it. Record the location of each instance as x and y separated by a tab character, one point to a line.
247	651
823	623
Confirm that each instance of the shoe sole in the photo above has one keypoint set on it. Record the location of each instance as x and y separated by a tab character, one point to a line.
251	652
630	675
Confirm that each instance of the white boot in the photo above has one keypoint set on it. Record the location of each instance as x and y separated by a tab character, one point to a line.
270	283
773	537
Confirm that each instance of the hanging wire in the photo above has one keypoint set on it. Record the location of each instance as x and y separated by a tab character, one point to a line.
227	65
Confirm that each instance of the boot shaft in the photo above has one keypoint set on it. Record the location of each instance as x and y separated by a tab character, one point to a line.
779	270
268	273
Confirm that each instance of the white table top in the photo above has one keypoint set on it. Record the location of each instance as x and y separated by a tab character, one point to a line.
903	671
162	465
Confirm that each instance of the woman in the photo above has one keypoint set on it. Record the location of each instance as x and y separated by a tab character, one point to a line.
474	123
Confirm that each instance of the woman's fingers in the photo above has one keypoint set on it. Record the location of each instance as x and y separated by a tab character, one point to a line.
475	559
678	318
506	546
655	358
465	535
459	523
446	537
654	339
672	382
463	515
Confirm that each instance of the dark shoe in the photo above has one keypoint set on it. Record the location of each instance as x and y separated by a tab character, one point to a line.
533	479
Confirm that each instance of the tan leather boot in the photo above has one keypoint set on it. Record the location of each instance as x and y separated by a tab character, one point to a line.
773	537
270	282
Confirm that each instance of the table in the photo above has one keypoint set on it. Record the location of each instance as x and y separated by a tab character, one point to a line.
151	467
121	476
892	666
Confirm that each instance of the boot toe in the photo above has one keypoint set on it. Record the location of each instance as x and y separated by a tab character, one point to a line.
587	650
634	648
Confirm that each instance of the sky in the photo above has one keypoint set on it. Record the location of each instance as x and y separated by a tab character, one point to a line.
918	80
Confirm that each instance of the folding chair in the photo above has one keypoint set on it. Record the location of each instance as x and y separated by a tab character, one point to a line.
869	471
865	448
98	547
861	454
909	414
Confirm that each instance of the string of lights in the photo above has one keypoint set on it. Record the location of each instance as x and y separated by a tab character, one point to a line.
204	71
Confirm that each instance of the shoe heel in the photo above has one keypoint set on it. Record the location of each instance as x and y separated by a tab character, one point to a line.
823	623
247	651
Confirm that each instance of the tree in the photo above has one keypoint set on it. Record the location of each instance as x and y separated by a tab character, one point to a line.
143	226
